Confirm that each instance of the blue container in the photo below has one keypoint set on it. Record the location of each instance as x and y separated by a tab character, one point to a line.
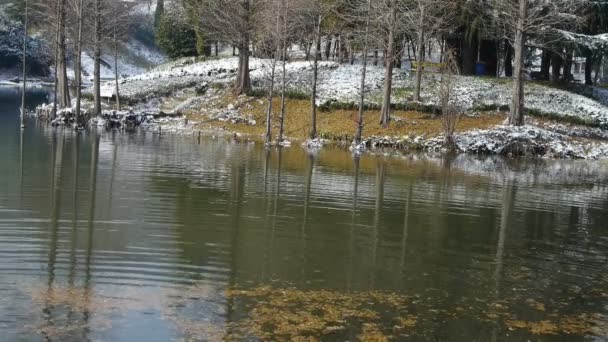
480	68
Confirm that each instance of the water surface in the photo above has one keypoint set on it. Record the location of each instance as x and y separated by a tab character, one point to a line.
112	236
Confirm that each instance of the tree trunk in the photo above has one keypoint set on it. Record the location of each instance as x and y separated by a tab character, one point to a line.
359	133
243	81
419	59
545	65
268	135
328	48
217	48
97	61
589	68
56	74
284	75
315	75
24	65
517	106
598	67
389	61
568	65
508	59
556	67
63	86
283	88
116	86
78	66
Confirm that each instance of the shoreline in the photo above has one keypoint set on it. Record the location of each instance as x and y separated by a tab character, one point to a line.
197	92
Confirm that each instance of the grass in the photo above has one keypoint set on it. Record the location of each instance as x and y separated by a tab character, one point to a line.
339	124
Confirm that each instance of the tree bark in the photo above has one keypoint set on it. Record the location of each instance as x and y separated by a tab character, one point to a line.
517	106
359	133
315	74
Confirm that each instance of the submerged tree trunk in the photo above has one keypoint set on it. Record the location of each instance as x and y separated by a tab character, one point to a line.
24	65
517	106
389	61
359	133
315	74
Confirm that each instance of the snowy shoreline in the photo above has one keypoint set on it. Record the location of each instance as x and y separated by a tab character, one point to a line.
188	86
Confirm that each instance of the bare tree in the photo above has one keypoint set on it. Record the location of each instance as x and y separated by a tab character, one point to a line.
359	133
317	14
230	21
522	20
425	19
450	113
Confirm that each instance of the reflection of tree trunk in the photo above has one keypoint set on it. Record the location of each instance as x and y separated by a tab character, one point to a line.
303	234
378	208
110	192
356	160
74	233
54	221
91	224
406	220
21	169
236	196
508	201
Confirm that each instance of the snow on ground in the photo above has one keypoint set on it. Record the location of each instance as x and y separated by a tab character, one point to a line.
340	83
135	58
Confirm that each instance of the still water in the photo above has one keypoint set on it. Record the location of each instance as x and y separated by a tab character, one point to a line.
110	236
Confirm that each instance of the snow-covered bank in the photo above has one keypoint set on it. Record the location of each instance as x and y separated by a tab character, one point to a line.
340	83
509	141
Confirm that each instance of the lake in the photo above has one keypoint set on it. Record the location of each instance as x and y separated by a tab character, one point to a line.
113	236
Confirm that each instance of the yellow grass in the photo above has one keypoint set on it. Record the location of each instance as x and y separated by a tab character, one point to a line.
341	124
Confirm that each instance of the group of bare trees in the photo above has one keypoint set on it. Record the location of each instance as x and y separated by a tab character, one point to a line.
76	27
351	28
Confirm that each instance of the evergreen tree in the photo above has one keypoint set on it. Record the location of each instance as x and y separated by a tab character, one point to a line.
176	38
